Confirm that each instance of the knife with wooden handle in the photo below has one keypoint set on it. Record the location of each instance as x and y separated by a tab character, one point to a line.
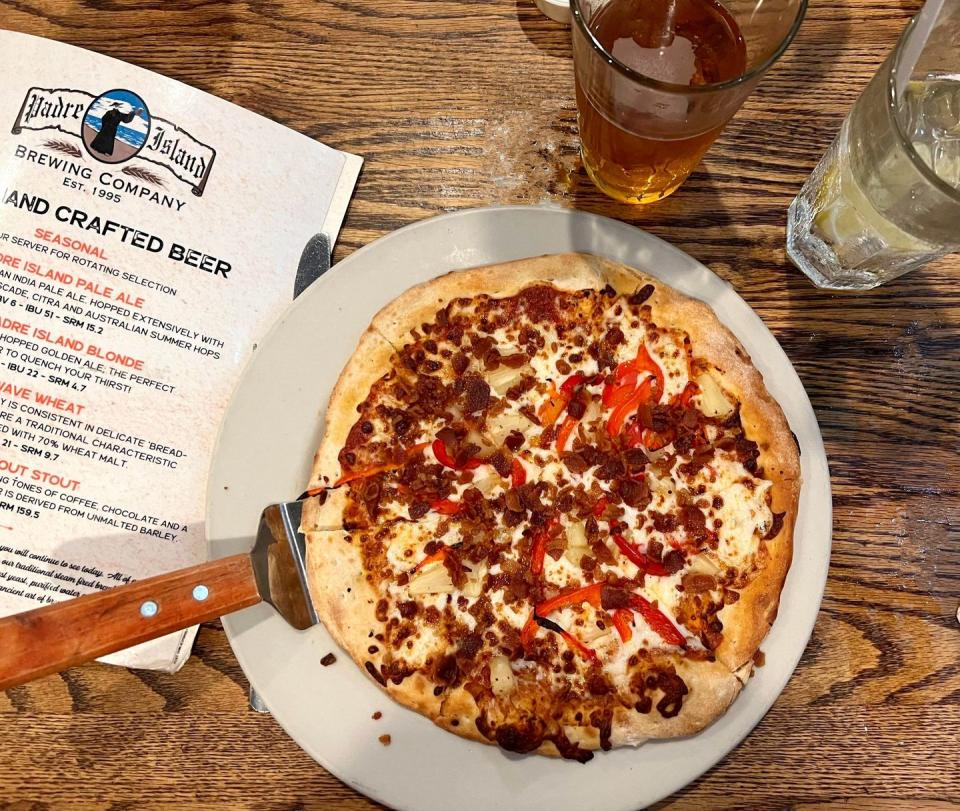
52	638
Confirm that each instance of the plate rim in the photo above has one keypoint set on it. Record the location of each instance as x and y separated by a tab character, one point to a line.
821	468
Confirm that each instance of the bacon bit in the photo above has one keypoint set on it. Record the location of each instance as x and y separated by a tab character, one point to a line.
582	594
363	473
658	621
636	435
539	550
564	433
518	475
775	526
622	620
437	556
600	506
642	394
445	459
635	556
445	506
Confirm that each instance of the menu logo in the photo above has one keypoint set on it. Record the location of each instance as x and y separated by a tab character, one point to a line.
116	127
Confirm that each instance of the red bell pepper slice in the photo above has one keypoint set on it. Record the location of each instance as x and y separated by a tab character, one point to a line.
440	554
551	409
445	506
529	630
558	399
624	381
633	436
569	386
587	653
600	506
529	633
539	551
622	620
443	457
645	363
518	475
564	433
658	621
635	556
642	394
581	594
373	470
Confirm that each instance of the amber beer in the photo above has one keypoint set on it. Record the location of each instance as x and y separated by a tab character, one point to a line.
657	80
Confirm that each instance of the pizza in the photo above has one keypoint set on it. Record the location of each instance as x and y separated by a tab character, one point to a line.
553	507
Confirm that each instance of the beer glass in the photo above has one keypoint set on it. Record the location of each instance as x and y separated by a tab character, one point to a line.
657	80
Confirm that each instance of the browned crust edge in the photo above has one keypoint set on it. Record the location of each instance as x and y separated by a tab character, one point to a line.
365	367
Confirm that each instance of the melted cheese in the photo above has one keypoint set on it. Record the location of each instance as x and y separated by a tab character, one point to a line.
744	516
405	547
668	351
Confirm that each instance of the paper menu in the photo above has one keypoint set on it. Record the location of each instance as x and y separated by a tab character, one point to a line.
149	236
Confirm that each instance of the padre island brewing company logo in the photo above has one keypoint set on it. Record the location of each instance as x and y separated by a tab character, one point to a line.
115	127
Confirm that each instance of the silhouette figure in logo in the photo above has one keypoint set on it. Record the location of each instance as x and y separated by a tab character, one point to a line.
111	120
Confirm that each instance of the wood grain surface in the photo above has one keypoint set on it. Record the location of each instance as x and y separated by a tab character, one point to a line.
457	104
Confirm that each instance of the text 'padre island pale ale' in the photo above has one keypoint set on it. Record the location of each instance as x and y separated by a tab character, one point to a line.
638	143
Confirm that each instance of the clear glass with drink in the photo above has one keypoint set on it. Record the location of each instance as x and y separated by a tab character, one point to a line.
885	198
657	80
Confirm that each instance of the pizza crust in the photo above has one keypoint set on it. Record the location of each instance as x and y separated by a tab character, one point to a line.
345	601
365	367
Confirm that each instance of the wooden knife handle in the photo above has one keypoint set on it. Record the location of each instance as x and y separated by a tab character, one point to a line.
52	638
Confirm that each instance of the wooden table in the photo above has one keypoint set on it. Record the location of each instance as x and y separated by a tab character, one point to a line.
457	104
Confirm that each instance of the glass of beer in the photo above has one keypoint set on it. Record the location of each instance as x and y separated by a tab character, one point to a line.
657	80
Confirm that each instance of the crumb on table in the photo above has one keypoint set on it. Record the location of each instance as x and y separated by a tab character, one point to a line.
328	660
377	715
384	739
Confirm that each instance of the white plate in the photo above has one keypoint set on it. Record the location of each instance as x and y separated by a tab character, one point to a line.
263	455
